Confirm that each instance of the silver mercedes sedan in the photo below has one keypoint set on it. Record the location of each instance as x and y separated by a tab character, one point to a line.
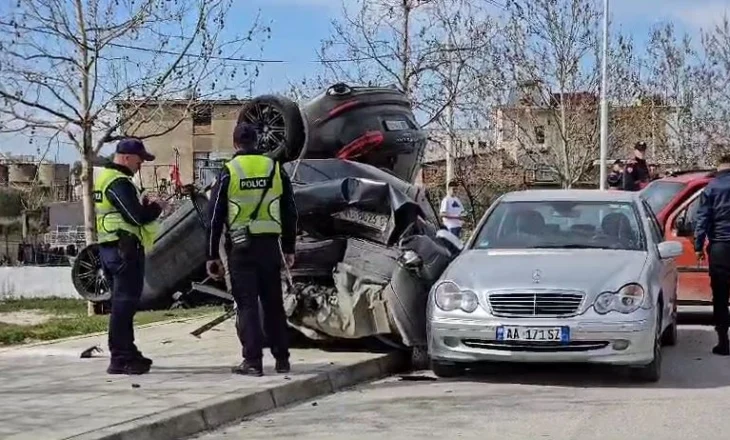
558	276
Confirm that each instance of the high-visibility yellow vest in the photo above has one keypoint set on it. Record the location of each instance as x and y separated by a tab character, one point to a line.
249	178
108	218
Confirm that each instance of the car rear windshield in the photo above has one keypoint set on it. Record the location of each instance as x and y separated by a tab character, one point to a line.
561	225
660	192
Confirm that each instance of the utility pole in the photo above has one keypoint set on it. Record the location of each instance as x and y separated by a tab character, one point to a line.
604	101
450	120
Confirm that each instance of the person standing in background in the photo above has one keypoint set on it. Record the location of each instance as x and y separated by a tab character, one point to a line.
713	225
616	176
452	211
636	173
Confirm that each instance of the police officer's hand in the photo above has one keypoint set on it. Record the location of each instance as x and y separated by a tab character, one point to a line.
213	267
700	255
289	259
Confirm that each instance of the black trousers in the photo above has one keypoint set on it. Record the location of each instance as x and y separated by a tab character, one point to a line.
127	276
719	262
256	275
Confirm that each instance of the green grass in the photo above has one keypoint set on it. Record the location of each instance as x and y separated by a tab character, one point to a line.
70	319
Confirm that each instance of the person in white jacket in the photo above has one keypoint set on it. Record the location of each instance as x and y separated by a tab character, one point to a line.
452	211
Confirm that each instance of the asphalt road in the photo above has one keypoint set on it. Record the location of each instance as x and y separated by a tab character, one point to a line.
692	401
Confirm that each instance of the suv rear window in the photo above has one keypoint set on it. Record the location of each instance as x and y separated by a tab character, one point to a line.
660	192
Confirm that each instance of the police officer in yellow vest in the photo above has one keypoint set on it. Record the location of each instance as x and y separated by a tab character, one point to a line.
253	198
126	225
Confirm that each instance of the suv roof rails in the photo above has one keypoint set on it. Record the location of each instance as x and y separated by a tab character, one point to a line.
693	170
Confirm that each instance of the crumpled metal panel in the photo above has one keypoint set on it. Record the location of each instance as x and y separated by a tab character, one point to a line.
354	308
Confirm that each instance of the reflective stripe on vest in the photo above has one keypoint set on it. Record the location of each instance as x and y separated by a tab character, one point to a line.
108	218
249	177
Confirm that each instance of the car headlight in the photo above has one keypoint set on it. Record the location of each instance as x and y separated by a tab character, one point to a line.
627	299
450	297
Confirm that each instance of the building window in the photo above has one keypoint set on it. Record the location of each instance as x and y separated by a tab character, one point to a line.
540	134
202	119
200	161
544	173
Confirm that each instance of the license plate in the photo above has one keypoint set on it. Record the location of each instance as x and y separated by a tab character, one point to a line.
396	125
368	219
533	334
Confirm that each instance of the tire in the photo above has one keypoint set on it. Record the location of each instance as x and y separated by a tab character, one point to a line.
279	124
419	358
652	372
670	336
446	370
87	276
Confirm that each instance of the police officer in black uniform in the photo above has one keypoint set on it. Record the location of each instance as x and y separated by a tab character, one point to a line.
636	172
253	198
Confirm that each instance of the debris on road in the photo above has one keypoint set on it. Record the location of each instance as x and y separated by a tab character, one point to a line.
89	352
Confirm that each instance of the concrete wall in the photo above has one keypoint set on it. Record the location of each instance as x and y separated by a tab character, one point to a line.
65	214
36	282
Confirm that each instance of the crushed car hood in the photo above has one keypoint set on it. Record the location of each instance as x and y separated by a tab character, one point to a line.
589	270
340	197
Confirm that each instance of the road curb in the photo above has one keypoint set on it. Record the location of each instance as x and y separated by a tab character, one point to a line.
207	415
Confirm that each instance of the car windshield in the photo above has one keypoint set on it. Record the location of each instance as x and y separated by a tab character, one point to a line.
660	192
561	225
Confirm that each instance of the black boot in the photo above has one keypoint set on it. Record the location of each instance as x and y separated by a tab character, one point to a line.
723	344
140	357
128	366
283	366
247	368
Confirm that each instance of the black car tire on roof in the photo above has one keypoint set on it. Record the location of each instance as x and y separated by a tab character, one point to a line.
279	124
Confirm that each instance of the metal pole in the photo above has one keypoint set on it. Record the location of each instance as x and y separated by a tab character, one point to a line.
604	102
450	122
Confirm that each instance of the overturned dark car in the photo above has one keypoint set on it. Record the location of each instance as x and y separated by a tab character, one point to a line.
369	245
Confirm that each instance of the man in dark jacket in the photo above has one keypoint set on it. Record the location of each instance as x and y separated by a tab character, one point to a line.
636	173
713	225
616	176
253	198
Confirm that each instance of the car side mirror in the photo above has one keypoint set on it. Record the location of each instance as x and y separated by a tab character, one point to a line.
670	249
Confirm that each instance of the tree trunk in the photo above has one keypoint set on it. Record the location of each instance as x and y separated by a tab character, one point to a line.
87	185
406	48
566	158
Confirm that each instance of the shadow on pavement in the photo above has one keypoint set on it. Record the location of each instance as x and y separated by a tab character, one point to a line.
298	369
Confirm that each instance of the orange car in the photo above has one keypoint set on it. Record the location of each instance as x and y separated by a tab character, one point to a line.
674	200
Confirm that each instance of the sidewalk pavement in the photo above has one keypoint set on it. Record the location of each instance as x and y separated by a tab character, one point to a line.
48	392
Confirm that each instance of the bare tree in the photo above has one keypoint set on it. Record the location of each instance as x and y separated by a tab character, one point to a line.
550	77
420	46
674	80
65	66
713	74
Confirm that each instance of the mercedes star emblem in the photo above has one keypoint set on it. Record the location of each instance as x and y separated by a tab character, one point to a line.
536	275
